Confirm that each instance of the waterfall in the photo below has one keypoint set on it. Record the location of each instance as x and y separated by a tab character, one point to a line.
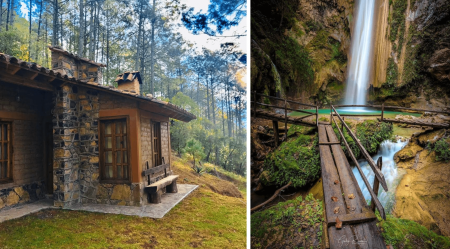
358	74
391	173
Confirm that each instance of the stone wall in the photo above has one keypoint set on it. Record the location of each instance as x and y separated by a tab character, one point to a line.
27	117
146	142
165	141
66	140
79	69
130	86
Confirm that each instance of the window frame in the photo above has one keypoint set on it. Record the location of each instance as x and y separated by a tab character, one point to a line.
159	140
101	145
10	141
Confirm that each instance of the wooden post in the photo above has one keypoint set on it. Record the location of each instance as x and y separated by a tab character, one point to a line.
342	129
382	111
317	116
331	114
275	132
285	119
376	184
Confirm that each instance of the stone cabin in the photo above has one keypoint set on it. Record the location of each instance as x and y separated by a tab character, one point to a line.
66	136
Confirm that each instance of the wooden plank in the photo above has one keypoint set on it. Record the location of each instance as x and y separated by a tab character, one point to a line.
368	235
348	186
155	187
329	143
377	203
366	155
389	120
155	169
329	175
354	218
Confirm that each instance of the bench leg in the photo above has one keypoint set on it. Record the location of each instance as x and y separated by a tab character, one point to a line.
156	197
172	188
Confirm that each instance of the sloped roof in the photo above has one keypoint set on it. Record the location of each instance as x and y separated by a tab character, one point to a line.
75	56
128	76
44	78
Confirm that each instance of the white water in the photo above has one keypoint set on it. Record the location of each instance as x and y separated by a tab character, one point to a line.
361	53
391	173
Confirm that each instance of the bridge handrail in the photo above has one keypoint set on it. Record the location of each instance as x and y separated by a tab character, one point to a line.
372	194
393	107
277	98
281	107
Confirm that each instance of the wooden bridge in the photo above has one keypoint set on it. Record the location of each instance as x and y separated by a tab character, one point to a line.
349	221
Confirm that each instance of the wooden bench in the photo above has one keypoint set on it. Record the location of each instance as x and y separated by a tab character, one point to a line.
155	189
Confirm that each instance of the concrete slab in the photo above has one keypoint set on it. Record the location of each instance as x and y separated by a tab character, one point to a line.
157	211
25	209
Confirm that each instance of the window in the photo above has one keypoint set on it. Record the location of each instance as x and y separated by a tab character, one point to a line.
5	151
114	150
157	144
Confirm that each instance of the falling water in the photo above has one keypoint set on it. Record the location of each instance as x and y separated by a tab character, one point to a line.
359	69
391	173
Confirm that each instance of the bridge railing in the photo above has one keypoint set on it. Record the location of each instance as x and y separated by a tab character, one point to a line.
255	103
376	169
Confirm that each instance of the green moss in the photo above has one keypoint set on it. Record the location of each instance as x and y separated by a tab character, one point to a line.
284	224
391	73
397	19
296	161
411	67
401	233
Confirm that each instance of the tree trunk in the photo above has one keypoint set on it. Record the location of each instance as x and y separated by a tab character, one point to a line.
138	49
217	156
207	98
107	46
91	32
29	33
81	31
207	157
1	15
11	13
55	23
39	31
7	14
152	58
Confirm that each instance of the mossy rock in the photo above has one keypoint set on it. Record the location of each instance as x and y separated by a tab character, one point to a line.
292	224
296	161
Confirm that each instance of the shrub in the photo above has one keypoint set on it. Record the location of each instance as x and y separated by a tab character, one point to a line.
442	150
295	161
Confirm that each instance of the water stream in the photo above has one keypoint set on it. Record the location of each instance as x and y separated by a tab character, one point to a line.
392	174
358	74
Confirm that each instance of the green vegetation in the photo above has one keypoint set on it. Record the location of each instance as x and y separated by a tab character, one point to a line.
391	73
411	67
205	219
289	224
293	63
442	150
370	133
194	148
296	161
401	233
397	18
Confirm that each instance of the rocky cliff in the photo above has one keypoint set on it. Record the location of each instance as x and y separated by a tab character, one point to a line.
300	48
412	54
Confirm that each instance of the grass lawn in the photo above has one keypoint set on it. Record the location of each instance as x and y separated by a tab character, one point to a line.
205	219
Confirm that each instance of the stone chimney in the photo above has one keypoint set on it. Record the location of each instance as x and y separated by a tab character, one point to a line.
129	82
74	66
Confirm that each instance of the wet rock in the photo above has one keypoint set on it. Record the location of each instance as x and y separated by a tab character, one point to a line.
439	64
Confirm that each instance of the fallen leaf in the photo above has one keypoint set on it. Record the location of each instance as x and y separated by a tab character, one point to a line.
335	199
338	223
336	210
406	185
336	182
351	196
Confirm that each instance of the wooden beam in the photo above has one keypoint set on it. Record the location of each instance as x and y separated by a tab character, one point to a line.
376	184
18	80
353	218
34	76
13	70
328	143
388	120
155	169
